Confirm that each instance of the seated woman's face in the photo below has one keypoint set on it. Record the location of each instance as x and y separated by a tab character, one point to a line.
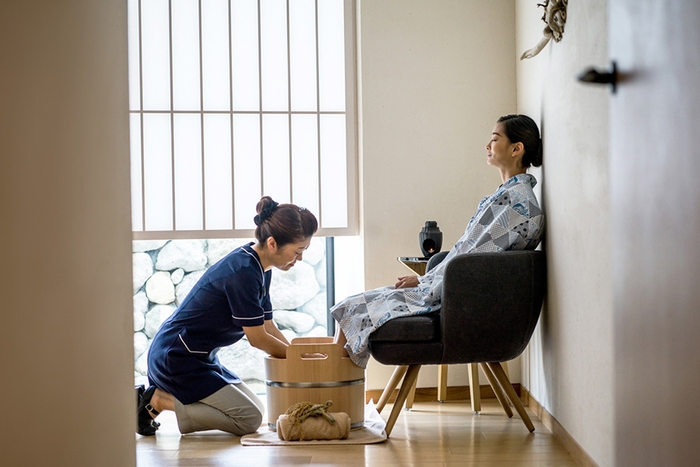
499	151
285	257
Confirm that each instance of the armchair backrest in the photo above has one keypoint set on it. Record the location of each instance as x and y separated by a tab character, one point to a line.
490	305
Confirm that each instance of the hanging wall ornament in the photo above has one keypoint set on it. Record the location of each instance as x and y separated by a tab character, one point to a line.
555	18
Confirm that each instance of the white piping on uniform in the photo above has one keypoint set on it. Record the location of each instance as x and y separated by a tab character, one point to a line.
187	347
255	317
262	272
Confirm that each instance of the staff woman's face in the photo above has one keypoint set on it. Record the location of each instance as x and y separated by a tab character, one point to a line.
285	257
499	150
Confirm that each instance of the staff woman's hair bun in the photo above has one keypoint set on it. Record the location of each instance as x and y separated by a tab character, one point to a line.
286	223
265	208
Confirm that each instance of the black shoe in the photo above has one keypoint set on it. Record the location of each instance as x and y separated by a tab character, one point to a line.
139	394
146	426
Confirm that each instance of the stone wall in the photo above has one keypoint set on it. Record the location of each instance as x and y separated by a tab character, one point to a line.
165	272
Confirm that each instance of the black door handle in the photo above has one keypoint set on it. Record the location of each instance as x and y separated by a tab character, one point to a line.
591	75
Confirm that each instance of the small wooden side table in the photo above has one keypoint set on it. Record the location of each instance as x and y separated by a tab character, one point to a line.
416	265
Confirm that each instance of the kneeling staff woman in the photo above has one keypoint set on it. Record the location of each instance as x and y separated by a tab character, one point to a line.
231	300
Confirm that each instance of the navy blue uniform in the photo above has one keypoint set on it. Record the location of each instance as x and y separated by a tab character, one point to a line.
231	294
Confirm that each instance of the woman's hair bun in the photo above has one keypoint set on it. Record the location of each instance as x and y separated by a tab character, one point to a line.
536	159
286	223
265	208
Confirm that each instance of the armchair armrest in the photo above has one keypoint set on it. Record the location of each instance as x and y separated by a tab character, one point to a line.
435	260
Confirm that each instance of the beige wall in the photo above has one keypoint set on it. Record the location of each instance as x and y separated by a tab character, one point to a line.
67	365
434	77
568	368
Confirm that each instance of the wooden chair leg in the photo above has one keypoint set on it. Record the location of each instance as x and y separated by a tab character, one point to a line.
442	383
406	385
411	395
474	387
399	373
502	399
508	388
504	365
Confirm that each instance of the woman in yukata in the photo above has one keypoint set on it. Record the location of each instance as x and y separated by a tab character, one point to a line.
230	300
509	219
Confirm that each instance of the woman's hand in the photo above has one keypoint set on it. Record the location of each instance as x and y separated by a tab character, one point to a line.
259	338
407	282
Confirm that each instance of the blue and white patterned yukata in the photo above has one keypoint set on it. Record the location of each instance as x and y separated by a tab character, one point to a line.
509	219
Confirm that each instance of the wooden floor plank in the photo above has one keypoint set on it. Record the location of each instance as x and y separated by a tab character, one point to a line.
432	434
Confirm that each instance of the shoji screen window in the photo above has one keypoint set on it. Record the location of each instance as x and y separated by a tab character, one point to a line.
235	99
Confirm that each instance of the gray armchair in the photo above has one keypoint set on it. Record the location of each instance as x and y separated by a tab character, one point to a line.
491	303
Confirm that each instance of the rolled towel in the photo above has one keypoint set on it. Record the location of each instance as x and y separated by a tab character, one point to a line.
307	421
314	428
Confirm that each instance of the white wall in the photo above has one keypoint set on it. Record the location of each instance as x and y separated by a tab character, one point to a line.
67	364
568	368
434	77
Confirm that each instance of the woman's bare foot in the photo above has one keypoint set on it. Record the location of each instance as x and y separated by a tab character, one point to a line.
161	401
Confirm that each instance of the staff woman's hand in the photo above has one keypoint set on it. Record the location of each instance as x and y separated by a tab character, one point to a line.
259	338
406	282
